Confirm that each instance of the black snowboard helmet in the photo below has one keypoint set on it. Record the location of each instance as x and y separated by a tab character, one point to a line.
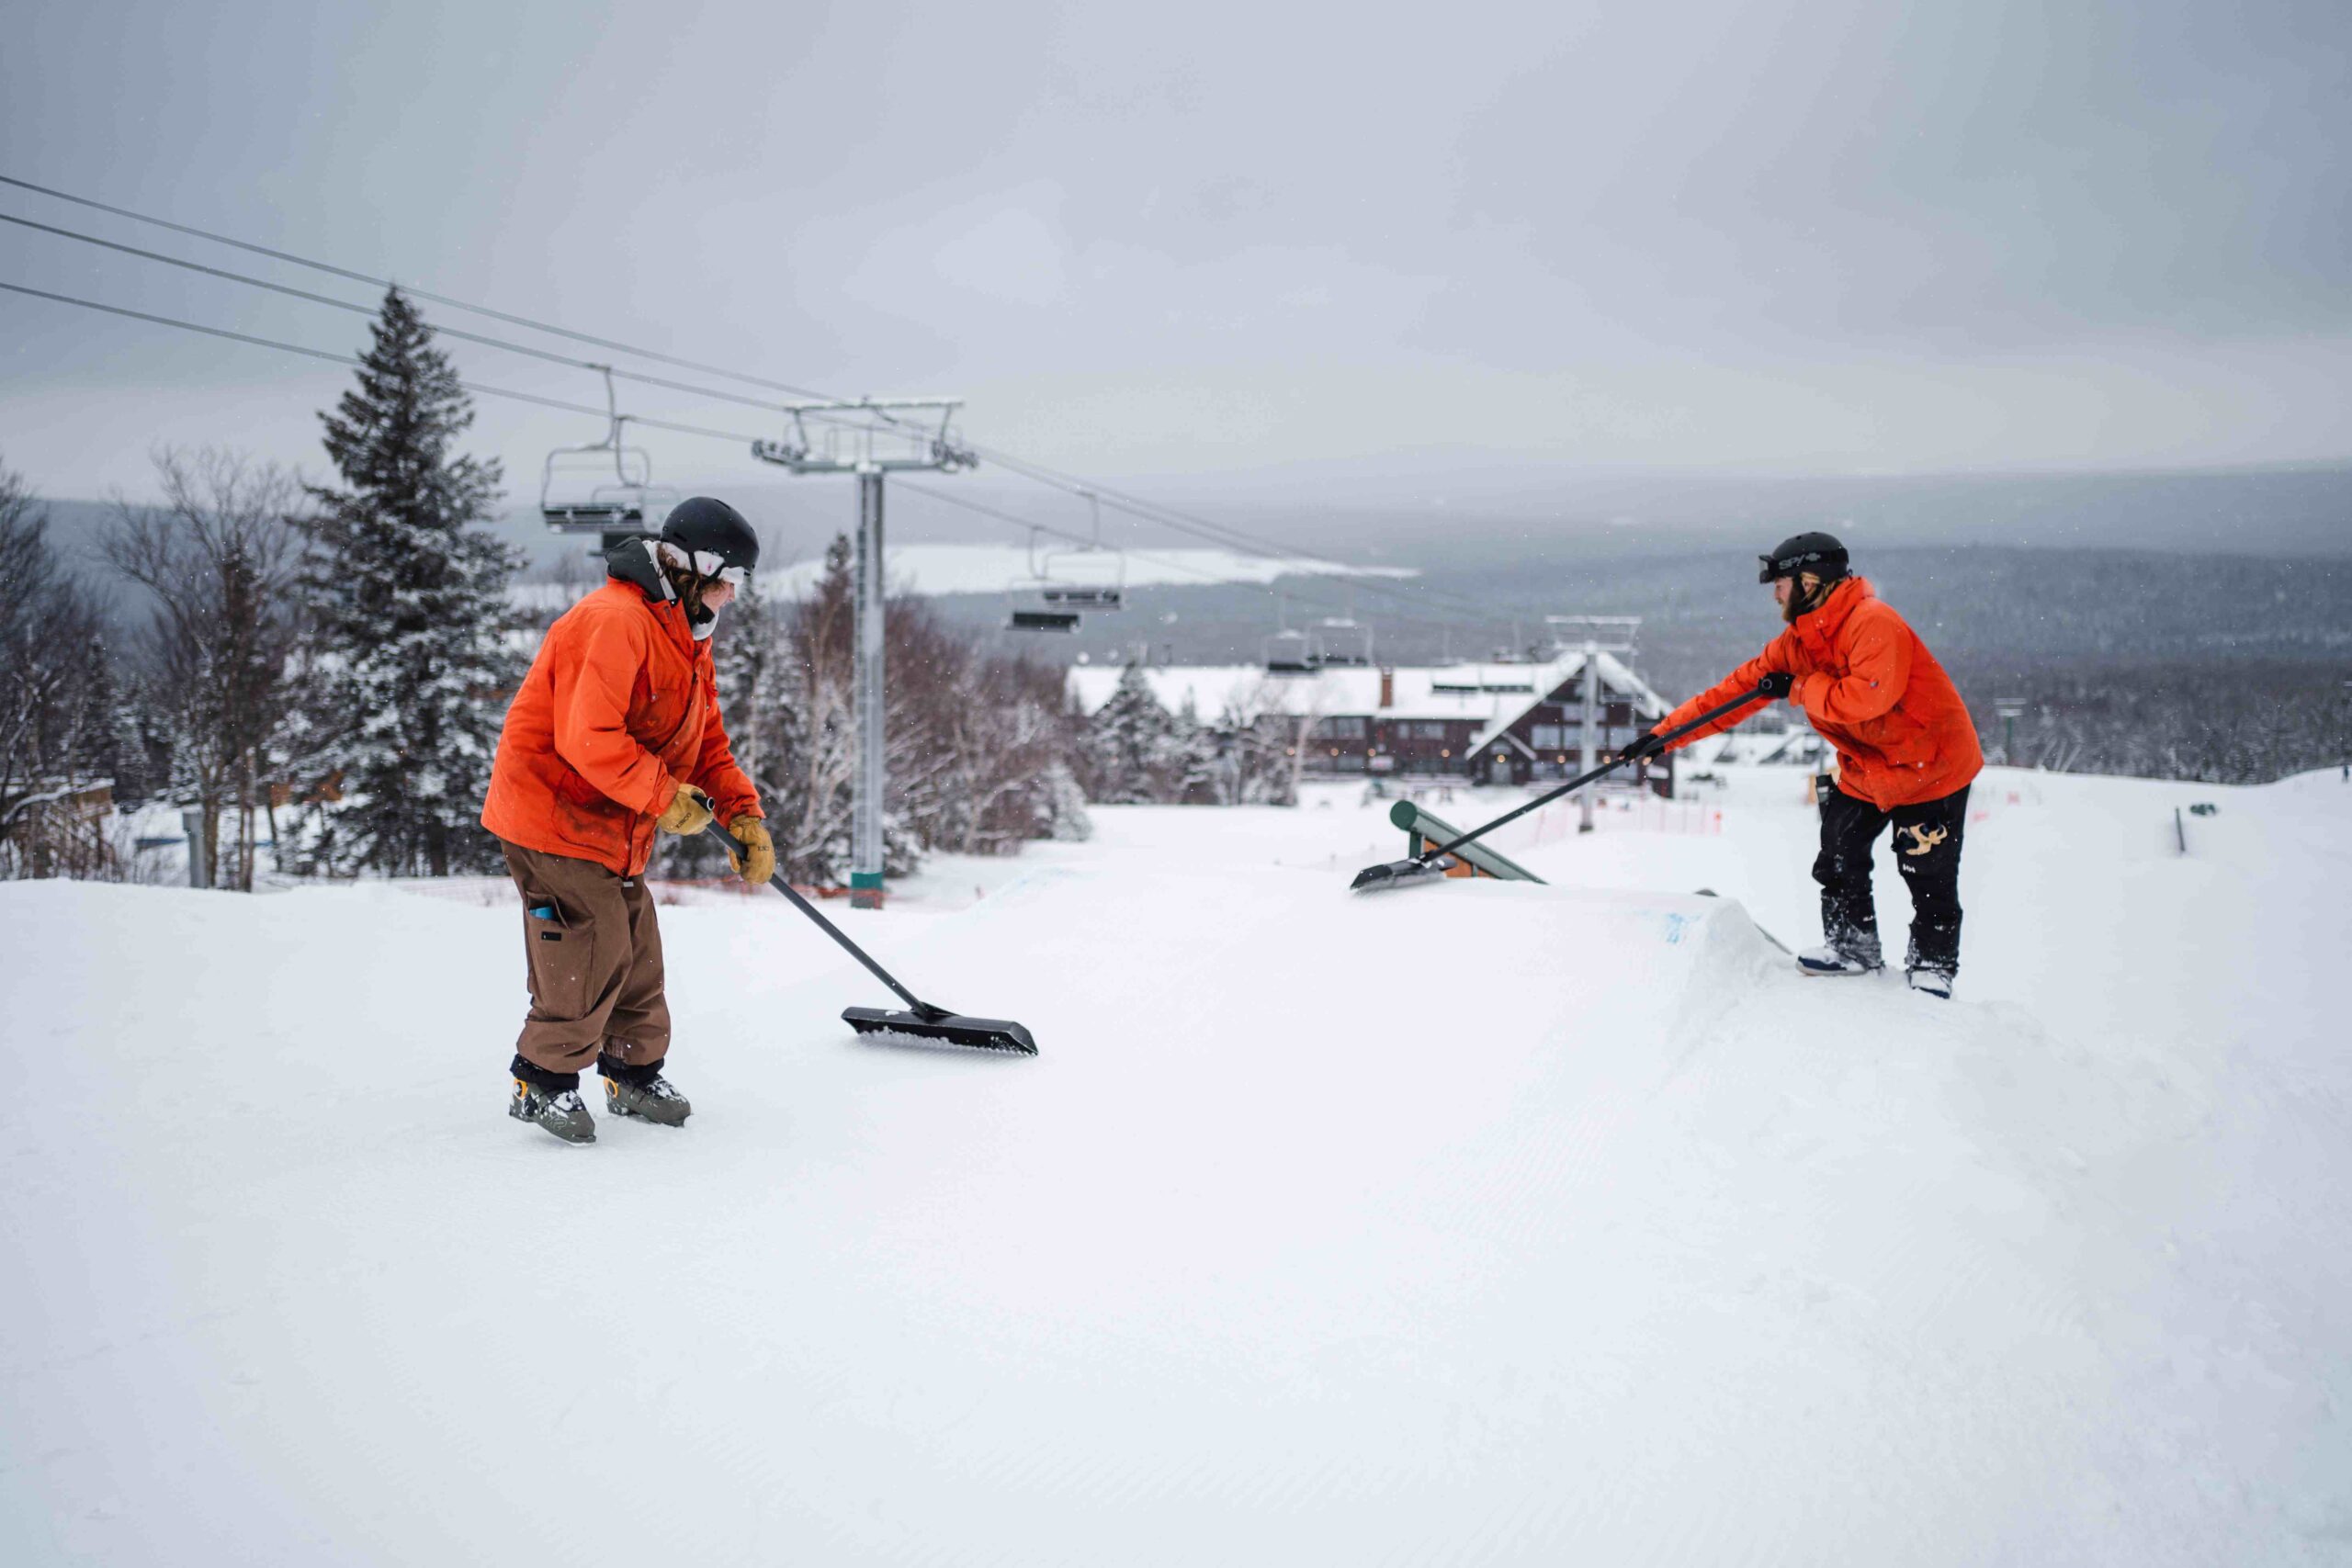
705	542
1818	553
714	537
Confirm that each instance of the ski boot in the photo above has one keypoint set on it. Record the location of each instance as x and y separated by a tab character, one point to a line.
557	1111
1822	961
643	1091
1933	982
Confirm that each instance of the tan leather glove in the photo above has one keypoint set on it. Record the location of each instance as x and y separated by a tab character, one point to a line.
759	849
688	811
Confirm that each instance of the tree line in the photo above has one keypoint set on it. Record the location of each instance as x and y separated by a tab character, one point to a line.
315	675
313	667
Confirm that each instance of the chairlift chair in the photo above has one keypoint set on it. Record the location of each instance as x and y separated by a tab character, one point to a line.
1043	614
1027	620
1287	654
1085	576
570	502
1339	642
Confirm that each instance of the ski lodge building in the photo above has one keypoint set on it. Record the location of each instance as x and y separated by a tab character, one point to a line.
1497	723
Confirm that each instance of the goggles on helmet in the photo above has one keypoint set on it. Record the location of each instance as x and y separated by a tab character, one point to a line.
1777	567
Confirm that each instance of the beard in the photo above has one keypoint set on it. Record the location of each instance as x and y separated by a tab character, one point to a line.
1802	600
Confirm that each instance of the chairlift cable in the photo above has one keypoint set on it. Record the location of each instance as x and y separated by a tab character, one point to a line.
439	328
733	438
1217	533
1168	516
1206	576
420	293
473	387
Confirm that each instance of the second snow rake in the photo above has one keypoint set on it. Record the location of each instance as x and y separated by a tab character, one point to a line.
1429	864
919	1020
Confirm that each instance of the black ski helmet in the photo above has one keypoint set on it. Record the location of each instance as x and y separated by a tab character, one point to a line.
1818	553
712	533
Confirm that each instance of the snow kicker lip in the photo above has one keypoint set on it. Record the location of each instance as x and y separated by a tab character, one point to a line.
945	1029
1396	874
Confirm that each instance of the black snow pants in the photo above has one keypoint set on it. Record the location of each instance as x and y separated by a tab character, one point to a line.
1926	848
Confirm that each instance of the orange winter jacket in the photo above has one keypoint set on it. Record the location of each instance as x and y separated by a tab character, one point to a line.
620	703
1872	690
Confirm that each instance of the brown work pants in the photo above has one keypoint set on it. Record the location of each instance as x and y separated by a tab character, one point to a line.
593	955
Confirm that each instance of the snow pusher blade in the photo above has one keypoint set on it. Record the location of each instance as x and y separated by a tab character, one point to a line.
919	1021
1429	862
1397	873
944	1028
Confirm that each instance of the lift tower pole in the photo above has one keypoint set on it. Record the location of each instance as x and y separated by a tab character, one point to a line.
869	437
1600	635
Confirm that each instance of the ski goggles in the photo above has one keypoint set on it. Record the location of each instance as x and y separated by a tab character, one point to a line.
1830	563
708	564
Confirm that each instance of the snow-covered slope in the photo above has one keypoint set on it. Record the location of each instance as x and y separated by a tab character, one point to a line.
1477	1223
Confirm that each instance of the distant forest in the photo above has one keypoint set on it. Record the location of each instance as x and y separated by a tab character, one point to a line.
2225	668
2219	667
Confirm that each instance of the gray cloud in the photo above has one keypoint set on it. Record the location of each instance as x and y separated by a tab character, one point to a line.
1829	234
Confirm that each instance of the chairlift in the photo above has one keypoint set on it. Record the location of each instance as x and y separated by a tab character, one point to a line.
1025	620
1287	654
1045	615
572	502
1339	642
1085	576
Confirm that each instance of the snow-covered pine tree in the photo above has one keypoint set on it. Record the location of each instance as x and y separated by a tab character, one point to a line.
412	605
1134	752
1201	777
1255	733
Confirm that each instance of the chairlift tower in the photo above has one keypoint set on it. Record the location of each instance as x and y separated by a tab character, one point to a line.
869	437
2010	710
1598	635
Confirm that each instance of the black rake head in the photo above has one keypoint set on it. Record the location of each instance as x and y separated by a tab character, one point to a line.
906	1027
1396	874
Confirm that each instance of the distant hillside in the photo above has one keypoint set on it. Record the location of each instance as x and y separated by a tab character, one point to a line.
2220	666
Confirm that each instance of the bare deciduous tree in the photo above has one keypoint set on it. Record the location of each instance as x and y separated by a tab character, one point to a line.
56	700
218	558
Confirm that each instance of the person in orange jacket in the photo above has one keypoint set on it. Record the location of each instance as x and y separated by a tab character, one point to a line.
616	733
1906	751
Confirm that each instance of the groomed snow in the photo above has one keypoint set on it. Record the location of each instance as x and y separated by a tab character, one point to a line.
1479	1223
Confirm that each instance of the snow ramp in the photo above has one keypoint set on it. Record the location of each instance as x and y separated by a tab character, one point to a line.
1479	1223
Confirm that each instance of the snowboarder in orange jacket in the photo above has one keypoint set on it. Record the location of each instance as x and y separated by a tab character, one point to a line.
613	734
1906	751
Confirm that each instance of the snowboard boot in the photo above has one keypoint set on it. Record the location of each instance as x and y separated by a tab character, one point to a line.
642	1092
1835	962
556	1111
1934	982
1821	961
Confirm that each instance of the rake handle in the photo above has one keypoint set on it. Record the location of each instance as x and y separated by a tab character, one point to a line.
1429	856
719	835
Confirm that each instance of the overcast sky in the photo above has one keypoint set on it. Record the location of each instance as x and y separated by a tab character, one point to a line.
1211	239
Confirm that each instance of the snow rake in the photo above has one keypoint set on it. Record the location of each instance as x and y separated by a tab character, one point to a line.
918	1022
1427	866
